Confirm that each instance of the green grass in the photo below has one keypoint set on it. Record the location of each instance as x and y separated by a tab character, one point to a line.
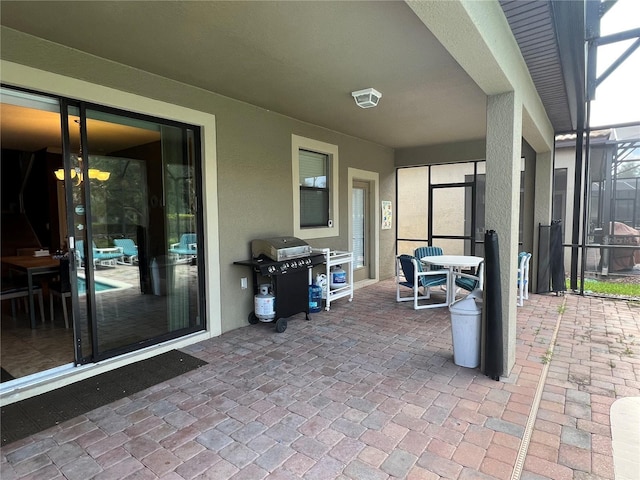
610	288
546	358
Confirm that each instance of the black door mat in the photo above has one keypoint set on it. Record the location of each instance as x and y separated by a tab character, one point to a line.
21	419
5	376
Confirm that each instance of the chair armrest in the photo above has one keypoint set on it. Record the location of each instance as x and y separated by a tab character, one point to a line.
108	250
433	272
174	245
477	278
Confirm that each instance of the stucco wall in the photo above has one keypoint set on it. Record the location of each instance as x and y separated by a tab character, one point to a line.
441	153
253	146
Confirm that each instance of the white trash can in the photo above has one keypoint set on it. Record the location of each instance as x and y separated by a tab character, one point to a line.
162	273
466	319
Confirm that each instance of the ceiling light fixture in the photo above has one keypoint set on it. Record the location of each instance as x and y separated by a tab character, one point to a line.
75	173
366	98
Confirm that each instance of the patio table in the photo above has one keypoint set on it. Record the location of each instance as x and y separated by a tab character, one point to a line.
453	262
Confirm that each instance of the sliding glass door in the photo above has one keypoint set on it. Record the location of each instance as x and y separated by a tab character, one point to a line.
32	205
137	247
115	197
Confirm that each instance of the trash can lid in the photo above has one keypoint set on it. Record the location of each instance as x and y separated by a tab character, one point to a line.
477	293
466	305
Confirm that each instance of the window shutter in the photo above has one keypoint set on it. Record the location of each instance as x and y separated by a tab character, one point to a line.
313	169
314	192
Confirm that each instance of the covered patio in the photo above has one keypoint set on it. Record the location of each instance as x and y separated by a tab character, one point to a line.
367	390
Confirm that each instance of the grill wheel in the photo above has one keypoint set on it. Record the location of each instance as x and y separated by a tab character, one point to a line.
281	325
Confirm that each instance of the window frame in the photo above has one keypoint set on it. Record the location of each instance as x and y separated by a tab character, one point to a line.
302	143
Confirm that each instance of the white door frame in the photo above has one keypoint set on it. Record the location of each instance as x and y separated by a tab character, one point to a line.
373	179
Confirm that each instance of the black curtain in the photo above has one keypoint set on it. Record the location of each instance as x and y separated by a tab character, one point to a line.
143	260
556	254
544	267
493	301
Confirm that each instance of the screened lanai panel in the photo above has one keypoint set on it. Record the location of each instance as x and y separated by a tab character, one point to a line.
412	208
448	211
613	237
451	173
448	190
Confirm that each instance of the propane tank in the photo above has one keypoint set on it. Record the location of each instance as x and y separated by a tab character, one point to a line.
265	304
315	298
338	277
321	281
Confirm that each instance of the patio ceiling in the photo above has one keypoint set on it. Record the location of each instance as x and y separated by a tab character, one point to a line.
303	59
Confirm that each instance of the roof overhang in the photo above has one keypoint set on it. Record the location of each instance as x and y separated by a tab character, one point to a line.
551	36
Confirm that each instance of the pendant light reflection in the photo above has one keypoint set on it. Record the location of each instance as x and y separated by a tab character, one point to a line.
76	174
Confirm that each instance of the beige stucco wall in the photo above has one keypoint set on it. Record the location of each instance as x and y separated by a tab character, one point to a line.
253	150
441	153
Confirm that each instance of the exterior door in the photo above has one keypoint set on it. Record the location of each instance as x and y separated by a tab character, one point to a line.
361	231
132	203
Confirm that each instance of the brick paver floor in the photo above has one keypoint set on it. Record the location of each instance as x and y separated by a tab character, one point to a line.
368	390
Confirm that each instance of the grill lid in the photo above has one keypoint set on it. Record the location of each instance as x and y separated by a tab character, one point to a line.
280	248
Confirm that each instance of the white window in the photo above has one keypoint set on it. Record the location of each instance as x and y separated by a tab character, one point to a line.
315	188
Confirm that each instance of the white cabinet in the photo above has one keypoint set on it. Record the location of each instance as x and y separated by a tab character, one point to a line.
345	260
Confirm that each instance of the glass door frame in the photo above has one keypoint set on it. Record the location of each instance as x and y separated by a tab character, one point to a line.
79	357
91	353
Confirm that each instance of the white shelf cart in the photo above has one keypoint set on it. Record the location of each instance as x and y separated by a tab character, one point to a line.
345	260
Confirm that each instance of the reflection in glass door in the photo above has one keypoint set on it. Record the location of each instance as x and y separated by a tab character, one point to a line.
32	204
135	226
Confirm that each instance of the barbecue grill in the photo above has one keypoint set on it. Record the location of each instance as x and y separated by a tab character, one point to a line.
286	261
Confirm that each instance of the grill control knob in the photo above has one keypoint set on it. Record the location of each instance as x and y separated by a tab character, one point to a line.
271	269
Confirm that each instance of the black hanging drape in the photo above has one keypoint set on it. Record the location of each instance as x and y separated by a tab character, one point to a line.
556	254
493	302
544	267
143	260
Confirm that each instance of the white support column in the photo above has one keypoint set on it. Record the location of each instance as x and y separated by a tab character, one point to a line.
542	209
502	204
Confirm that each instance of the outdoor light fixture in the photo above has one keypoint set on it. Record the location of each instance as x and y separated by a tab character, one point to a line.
366	98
